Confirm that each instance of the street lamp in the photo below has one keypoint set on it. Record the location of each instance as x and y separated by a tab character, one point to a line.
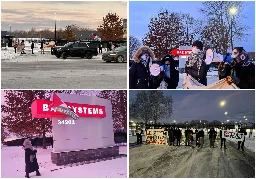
232	11
244	116
10	29
55	32
226	113
228	120
246	119
222	103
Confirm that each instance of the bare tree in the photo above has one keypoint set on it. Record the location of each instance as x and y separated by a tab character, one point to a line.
217	30
134	44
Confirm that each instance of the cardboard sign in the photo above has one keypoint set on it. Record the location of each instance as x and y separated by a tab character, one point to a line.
234	136
156	136
40	109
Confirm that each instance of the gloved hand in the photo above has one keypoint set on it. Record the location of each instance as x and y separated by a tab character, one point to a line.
232	79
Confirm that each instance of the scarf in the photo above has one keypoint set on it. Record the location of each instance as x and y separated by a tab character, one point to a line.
195	58
167	70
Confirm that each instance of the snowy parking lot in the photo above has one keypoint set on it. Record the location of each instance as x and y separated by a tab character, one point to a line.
45	71
13	166
163	161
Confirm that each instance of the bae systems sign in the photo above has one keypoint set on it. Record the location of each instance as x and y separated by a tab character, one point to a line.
44	109
181	52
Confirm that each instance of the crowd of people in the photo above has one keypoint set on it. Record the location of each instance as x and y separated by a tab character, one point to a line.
240	71
21	46
175	135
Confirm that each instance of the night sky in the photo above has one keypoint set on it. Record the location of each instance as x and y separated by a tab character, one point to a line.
141	12
205	105
25	15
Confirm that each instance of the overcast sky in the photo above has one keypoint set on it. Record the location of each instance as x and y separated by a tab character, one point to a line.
141	12
205	105
41	14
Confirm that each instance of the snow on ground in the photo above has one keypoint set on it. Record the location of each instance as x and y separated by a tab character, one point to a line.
163	161
13	166
8	55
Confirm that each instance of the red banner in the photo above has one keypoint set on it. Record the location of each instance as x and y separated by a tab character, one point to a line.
181	52
40	109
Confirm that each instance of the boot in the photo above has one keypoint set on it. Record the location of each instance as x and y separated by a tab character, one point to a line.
38	173
27	175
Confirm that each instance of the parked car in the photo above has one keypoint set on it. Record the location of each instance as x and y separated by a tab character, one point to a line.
75	49
119	54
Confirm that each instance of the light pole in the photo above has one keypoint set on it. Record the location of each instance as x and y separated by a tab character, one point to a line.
223	103
226	113
232	11
55	32
10	29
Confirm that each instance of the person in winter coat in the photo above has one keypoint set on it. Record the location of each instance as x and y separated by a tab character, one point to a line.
139	136
196	66
188	134
42	46
168	72
139	73
212	136
30	159
223	140
171	136
242	70
224	68
32	46
241	143
201	134
178	136
100	48
23	47
15	46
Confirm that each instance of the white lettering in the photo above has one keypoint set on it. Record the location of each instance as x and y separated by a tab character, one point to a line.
100	111
85	110
89	110
53	110
69	107
95	110
45	107
80	110
74	108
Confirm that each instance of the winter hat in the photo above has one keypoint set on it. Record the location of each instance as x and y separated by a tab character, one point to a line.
27	144
198	44
145	52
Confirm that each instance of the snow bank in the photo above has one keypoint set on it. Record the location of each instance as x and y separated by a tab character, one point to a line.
8	55
12	161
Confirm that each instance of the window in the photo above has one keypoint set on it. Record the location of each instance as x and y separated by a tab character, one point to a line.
82	45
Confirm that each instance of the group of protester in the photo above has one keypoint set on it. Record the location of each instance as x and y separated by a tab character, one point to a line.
22	46
174	133
240	71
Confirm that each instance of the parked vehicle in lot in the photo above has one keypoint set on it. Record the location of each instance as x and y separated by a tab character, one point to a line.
76	49
119	54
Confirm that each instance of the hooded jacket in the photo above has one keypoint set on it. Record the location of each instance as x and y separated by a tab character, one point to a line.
174	74
139	74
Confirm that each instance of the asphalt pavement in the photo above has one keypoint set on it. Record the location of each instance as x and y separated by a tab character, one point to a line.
48	72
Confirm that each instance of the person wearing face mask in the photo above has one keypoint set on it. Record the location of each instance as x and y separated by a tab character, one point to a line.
168	72
195	65
242	70
139	73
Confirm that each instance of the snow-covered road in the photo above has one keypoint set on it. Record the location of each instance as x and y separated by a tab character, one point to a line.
154	161
45	71
13	166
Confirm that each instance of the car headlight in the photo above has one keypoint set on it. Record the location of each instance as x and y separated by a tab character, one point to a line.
58	49
113	54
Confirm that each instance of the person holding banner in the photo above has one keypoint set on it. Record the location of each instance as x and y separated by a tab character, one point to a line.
243	70
241	143
196	66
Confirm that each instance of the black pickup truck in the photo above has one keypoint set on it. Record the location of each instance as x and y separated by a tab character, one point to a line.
76	49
